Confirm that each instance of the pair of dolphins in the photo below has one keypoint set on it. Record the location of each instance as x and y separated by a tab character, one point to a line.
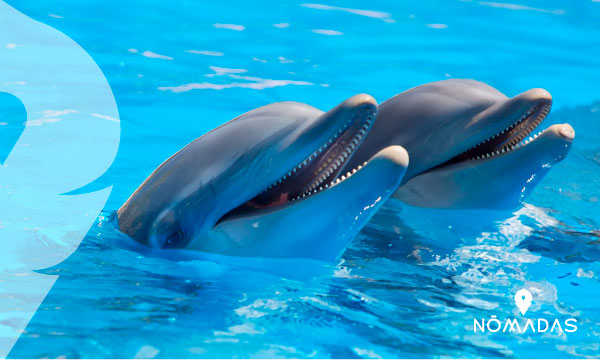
288	180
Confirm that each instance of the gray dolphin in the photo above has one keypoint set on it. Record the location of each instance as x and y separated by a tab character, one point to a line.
467	143
268	184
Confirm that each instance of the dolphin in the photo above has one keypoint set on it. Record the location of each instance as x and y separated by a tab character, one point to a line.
268	183
469	144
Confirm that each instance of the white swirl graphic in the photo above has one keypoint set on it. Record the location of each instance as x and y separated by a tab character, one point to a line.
70	138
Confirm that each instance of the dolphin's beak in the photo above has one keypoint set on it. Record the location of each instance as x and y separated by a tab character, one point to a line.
322	225
505	113
500	181
501	170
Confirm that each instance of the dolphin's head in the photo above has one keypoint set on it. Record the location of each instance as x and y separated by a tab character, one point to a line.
266	162
468	143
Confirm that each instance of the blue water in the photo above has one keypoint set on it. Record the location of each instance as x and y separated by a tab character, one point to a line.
413	281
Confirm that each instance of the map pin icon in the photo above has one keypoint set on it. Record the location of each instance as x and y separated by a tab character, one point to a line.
523	300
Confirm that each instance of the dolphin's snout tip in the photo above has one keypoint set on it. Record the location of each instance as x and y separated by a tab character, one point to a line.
396	154
566	131
537	94
561	131
360	100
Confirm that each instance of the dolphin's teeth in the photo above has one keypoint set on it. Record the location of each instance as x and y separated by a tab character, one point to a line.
353	171
348	174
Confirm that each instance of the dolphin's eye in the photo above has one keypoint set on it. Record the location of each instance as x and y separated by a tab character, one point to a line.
174	240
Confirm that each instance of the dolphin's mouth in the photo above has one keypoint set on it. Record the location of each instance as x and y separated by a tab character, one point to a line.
319	171
508	139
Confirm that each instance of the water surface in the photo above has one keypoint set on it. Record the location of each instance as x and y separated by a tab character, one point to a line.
414	279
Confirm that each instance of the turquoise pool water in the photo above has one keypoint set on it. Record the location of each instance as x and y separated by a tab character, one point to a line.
414	280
